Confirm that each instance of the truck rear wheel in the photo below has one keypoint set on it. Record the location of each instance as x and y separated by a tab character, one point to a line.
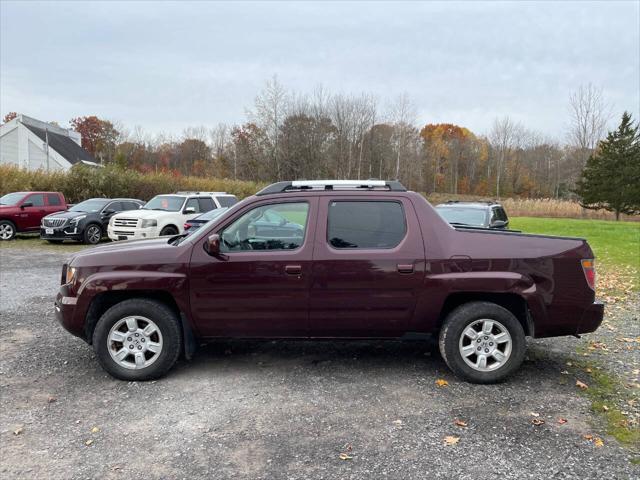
482	342
7	230
137	339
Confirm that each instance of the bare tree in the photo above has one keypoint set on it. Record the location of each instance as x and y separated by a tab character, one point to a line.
270	111
403	117
501	137
589	116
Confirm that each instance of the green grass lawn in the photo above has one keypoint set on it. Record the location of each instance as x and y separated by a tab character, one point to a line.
614	243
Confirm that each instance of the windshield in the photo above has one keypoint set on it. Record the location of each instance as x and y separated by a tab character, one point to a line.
211	214
89	206
168	203
467	216
12	198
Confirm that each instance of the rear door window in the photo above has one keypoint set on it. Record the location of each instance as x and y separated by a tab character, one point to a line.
365	224
53	200
130	205
193	203
206	204
227	200
115	206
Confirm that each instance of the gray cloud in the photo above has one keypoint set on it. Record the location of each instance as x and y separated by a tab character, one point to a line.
169	65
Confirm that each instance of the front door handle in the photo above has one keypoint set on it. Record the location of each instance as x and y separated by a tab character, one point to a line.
293	269
405	268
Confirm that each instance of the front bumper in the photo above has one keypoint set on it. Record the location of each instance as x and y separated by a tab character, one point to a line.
591	318
132	233
65	309
69	232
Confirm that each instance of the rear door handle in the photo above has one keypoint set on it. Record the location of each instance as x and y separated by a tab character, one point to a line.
405	268
293	269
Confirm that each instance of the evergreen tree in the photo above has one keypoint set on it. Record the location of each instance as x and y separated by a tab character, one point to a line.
611	177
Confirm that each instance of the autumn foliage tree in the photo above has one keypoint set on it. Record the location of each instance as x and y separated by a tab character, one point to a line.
99	137
9	116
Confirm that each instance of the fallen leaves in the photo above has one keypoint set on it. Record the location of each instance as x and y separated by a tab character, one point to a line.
597	441
562	421
51	399
460	423
18	430
95	430
441	382
451	440
537	422
346	449
581	385
88	443
345	456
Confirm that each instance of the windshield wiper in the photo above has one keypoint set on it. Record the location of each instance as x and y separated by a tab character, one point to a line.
177	237
460	223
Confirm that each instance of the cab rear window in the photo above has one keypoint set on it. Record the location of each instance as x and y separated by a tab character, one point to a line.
365	224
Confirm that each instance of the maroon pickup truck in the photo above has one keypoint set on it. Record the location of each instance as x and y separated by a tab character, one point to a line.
327	260
23	211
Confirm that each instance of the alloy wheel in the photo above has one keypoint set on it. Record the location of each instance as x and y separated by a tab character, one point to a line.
6	231
485	345
93	234
134	342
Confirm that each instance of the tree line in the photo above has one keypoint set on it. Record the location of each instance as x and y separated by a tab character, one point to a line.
289	135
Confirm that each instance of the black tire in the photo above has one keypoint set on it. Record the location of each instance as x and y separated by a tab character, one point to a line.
7	230
166	321
464	316
92	234
169	230
55	242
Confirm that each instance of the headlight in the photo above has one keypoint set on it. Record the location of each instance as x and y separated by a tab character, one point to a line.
77	219
148	223
71	275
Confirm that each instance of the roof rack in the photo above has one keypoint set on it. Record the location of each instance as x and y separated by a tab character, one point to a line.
300	185
201	193
488	202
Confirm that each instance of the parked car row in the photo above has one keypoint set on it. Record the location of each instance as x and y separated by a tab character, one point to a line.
93	219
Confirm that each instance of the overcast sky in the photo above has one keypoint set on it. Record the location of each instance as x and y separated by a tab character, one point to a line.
165	66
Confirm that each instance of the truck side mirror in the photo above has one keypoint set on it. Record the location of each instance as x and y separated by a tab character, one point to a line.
212	245
499	224
189	210
26	204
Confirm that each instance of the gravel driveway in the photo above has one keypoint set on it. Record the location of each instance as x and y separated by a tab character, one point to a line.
278	409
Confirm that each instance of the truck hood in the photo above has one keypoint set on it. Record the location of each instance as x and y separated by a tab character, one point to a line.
144	214
136	252
67	214
8	208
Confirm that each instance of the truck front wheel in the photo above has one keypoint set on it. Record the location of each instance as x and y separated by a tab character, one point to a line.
137	339
482	342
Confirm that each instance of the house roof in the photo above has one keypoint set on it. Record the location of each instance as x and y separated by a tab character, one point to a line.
64	145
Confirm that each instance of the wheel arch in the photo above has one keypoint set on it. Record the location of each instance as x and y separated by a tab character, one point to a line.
512	302
105	300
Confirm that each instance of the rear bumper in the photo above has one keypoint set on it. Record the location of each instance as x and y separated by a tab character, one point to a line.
591	318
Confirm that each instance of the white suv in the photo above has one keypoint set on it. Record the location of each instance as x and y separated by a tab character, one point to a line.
165	214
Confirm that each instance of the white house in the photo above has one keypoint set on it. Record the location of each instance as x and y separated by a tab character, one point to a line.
31	144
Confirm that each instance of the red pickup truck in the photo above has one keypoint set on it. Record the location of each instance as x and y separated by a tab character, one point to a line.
326	260
23	211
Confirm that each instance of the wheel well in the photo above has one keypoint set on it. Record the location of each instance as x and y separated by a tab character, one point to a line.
104	301
170	225
511	301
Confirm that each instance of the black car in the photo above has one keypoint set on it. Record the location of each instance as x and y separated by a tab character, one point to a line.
195	223
474	214
85	222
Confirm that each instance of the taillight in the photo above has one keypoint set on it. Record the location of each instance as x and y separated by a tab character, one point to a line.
187	226
589	269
